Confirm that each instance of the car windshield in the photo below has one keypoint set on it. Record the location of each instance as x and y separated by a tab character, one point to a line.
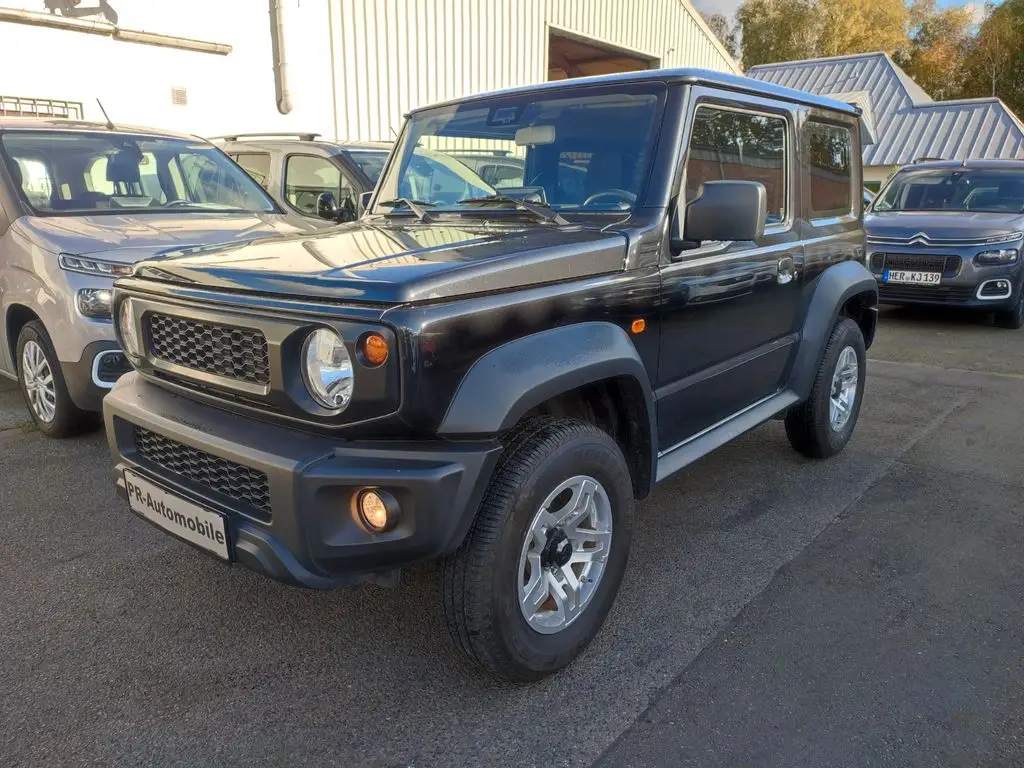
369	161
954	189
76	172
583	150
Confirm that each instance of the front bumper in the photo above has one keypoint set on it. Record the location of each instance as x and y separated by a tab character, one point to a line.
962	289
89	379
310	536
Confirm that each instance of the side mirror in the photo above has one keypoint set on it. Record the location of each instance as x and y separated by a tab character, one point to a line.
327	206
724	210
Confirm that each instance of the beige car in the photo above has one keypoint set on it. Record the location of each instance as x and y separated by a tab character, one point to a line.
79	204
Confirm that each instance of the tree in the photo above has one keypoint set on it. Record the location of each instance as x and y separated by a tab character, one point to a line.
860	26
997	50
723	31
938	47
777	30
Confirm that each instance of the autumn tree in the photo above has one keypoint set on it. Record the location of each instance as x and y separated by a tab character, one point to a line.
995	61
720	26
777	30
938	46
860	26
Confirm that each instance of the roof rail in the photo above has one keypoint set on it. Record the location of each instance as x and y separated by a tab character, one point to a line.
307	136
928	159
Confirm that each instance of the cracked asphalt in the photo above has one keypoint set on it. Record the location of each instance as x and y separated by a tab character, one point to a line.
868	610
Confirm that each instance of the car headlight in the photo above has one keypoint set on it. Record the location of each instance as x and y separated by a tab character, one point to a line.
73	263
94	302
126	326
328	369
1002	256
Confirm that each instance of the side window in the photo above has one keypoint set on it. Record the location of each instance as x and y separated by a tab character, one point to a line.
306	177
207	181
35	180
256	165
828	151
739	146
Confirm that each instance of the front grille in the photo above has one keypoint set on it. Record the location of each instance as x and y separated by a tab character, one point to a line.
237	482
222	350
949	266
936	294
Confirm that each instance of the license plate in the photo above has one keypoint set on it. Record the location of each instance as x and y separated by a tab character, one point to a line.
909	276
174	514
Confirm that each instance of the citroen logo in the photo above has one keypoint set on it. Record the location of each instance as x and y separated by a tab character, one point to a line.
919	239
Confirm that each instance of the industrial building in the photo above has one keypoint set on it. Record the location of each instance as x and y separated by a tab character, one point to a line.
348	69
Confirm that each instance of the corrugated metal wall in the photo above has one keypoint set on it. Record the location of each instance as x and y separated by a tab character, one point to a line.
393	55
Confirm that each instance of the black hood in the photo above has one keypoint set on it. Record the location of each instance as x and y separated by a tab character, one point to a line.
392	262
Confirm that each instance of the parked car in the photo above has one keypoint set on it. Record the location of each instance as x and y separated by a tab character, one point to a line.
950	233
79	203
494	381
321	180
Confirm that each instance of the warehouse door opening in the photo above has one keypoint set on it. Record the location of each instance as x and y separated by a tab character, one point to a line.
577	57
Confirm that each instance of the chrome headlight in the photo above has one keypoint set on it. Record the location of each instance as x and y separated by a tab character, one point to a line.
126	326
1002	256
73	263
327	368
94	302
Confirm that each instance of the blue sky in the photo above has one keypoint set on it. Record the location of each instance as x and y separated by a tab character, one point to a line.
728	7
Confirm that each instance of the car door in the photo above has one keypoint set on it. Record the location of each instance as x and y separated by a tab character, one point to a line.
729	309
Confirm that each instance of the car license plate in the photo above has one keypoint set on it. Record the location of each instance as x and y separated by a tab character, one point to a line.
911	277
205	529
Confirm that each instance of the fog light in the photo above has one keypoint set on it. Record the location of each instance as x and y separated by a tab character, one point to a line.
378	510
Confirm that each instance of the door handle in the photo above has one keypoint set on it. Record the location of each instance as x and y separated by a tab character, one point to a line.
787	270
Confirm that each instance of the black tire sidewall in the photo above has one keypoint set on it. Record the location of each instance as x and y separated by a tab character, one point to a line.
591	454
846	334
66	413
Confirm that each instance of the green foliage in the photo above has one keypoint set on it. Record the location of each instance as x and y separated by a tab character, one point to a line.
724	32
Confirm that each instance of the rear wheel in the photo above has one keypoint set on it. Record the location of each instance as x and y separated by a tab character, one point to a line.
1012	318
42	384
821	426
534	580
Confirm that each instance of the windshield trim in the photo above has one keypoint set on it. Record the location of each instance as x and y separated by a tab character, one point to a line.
655	87
7	160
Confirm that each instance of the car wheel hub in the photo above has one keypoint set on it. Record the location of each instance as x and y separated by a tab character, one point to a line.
38	379
844	389
564	554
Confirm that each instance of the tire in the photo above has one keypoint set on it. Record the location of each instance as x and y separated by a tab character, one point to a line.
1012	319
47	382
481	583
809	425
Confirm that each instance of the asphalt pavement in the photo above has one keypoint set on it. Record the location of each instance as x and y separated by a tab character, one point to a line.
776	611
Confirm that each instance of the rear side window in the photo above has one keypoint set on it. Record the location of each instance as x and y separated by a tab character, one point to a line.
256	165
739	146
829	149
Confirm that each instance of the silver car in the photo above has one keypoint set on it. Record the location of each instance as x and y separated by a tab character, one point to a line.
79	204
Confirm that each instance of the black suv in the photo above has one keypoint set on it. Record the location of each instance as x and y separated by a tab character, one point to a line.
495	377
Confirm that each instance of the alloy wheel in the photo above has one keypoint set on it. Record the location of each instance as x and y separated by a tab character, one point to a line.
564	554
37	376
844	389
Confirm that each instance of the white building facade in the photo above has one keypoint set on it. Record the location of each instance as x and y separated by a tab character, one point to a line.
348	69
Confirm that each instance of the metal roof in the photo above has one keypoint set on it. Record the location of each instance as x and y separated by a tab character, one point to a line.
908	123
688	75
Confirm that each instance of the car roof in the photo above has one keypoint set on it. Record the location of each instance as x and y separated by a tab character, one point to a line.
687	75
42	124
981	163
236	142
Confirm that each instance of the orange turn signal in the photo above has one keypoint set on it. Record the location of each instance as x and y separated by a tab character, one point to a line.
638	326
375	349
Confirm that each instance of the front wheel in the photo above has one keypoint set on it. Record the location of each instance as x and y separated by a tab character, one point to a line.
537	574
1012	318
43	386
821	426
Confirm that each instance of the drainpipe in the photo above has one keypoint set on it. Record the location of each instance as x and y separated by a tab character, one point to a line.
281	92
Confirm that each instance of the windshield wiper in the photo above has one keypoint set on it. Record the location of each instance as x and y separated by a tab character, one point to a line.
413	205
543	211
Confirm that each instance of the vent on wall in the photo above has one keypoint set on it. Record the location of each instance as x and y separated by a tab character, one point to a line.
179	97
